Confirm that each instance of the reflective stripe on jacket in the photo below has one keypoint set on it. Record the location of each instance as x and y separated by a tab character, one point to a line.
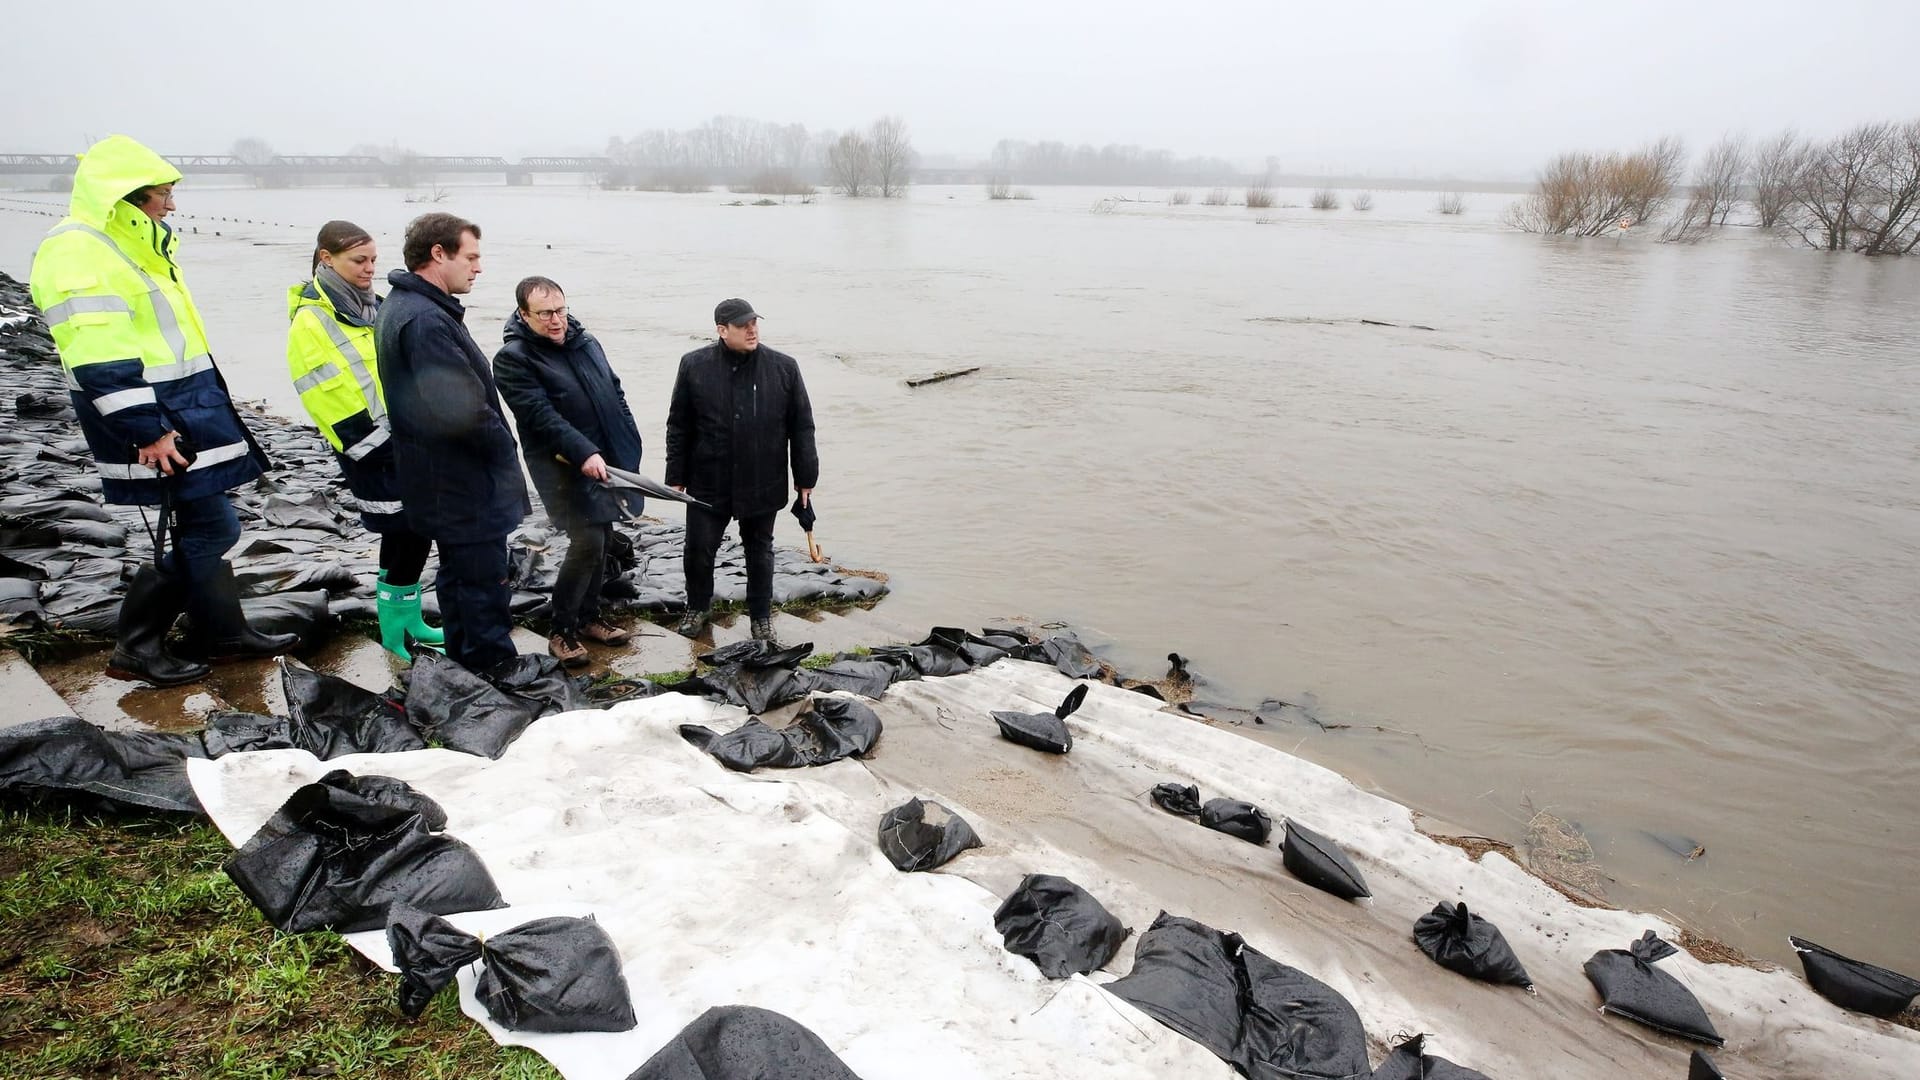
130	338
333	369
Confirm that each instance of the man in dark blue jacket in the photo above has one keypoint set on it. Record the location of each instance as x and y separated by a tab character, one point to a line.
574	422
739	415
459	468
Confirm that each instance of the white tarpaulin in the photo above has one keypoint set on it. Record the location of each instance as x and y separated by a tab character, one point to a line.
769	890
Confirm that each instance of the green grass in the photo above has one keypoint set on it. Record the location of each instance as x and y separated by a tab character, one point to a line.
125	951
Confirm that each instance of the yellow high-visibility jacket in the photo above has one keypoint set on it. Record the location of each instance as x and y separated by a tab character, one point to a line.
332	364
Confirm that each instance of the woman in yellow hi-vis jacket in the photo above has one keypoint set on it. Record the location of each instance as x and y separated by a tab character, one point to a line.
330	354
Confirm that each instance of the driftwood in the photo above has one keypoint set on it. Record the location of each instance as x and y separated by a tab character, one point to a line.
941	376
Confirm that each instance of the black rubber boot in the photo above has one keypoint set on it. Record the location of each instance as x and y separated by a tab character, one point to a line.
220	630
152	602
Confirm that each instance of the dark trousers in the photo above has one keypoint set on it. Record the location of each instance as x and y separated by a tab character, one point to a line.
403	554
474	603
576	590
704	530
204	529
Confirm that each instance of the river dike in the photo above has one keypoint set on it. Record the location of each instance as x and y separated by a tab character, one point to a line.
1136	857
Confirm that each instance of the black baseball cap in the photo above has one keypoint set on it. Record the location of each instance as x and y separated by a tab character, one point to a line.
734	312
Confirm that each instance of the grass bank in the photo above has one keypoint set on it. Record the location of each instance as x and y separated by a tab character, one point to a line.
126	952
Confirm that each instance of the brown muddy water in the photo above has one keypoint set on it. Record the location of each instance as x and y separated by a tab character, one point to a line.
1629	536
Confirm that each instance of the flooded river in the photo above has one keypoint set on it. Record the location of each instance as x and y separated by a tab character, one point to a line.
1631	535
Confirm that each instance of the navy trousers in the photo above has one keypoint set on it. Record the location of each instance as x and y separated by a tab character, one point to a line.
704	530
475	602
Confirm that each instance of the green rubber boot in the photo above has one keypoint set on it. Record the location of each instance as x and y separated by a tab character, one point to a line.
399	608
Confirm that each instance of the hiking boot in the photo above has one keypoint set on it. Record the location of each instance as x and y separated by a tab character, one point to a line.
567	650
605	633
763	631
694	623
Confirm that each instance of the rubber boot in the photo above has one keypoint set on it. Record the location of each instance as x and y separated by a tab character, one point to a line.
152	602
219	626
400	619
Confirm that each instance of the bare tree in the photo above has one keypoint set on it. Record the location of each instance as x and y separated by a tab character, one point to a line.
253	150
1694	222
1889	217
1833	183
850	165
892	156
1776	163
1592	194
1718	180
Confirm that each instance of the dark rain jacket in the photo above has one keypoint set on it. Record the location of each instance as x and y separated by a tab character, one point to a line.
735	422
459	468
568	404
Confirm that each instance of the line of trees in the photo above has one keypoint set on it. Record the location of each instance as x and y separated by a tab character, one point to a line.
766	158
1858	191
1058	163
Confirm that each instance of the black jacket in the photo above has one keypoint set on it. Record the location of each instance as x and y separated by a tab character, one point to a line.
459	468
735	421
567	402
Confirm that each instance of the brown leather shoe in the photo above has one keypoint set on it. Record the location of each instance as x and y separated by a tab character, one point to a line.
569	652
605	633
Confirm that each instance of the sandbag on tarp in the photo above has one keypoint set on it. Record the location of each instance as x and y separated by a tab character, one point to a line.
1237	817
340	850
1409	1061
1701	1067
868	678
540	678
1267	1020
304	613
975	650
754	676
330	717
287	574
66	759
929	660
1320	863
1043	731
1461	941
740	1042
1059	926
311	511
614	691
1182	799
463	711
555	975
760	654
1065	653
827	730
229	732
1632	987
18	531
922	835
1855	984
429	951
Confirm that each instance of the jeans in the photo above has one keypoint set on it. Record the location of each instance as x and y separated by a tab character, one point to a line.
475	602
204	529
576	591
704	530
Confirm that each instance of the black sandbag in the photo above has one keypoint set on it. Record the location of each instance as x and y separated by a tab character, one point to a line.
1320	863
340	850
1264	1018
1632	987
755	689
1043	731
461	710
555	975
540	678
1701	1067
1071	658
311	511
922	835
754	652
230	732
330	717
630	688
975	650
740	1042
19	532
1182	799
827	730
864	677
929	660
1461	941
429	951
295	575
1059	926
304	613
1237	817
1409	1061
1855	984
68	760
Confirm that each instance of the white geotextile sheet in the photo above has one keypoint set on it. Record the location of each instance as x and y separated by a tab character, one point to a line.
769	890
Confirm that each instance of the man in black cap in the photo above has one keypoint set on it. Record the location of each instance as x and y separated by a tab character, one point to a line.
739	415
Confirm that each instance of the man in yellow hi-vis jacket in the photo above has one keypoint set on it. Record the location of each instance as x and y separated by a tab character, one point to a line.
151	403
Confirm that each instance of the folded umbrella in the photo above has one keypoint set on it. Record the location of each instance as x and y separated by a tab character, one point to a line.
623	478
803	512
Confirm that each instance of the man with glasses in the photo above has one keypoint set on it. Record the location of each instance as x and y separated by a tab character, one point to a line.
739	415
574	423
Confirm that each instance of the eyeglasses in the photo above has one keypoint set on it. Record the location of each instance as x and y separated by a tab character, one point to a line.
549	313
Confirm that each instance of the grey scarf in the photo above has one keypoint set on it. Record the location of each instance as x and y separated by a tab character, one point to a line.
356	306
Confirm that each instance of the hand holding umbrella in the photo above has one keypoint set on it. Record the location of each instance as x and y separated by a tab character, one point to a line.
803	512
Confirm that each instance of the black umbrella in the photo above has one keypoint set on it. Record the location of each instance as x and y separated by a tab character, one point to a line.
803	511
633	481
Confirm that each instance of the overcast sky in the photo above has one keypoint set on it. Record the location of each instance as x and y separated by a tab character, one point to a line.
1470	88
